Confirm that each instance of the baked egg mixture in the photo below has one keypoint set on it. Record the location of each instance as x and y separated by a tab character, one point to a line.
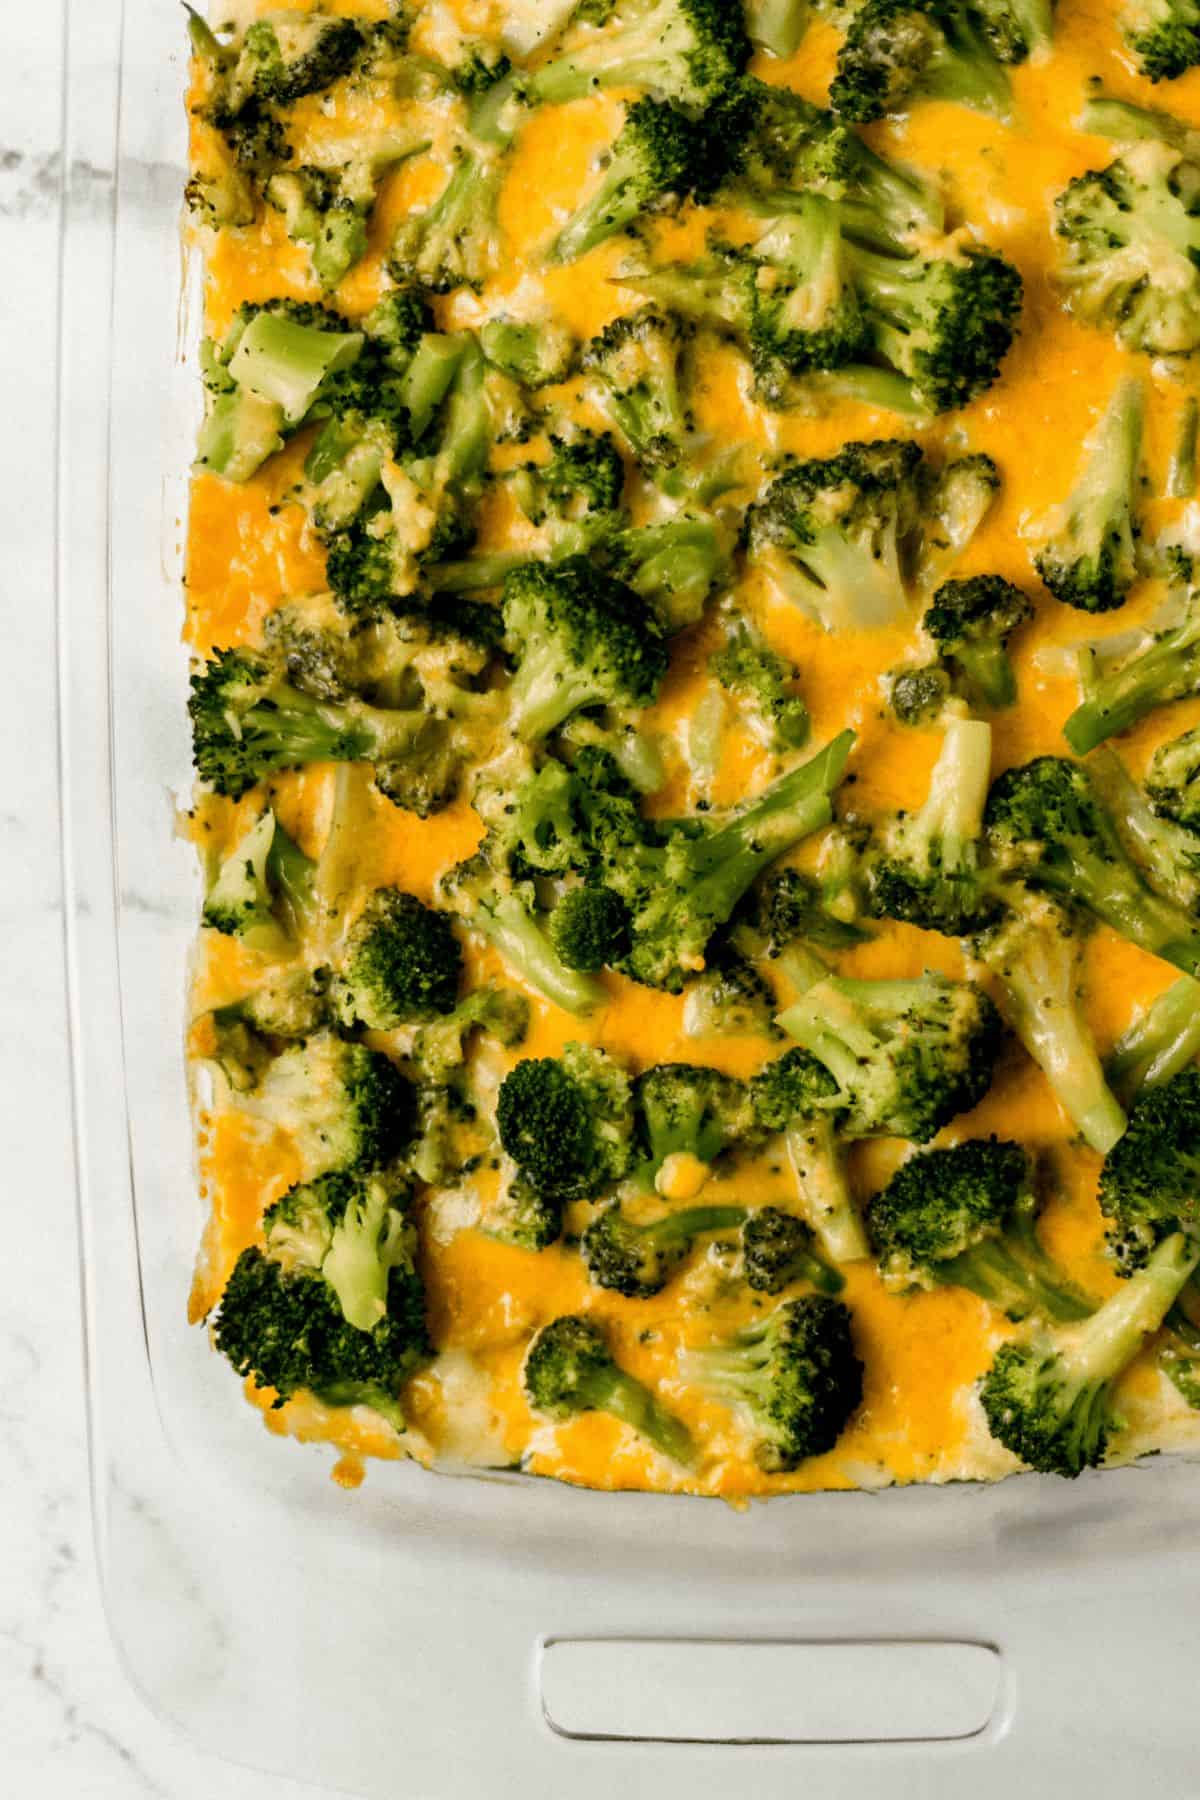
422	498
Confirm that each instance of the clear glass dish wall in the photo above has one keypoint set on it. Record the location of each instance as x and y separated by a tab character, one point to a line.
388	1641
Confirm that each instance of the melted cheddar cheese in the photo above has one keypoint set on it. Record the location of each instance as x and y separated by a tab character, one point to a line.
249	549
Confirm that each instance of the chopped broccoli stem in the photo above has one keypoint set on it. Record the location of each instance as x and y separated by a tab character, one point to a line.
1088	562
569	1369
284	361
967	1217
1045	824
1162	848
1162	1040
1050	1401
1034	954
777	26
1181	476
794	1373
639	1260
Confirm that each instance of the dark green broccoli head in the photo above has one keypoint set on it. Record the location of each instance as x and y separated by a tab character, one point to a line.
639	1260
899	51
637	358
286	55
918	696
971	622
944	321
1173	780
795	1086
345	1107
941	1204
402	963
1130	235
788	907
569	1369
1150	1182
908	1056
685	1109
584	476
589	929
1164	36
581	639
779	1248
525	1215
752	672
658	154
479	67
796	1374
332	1303
567	1121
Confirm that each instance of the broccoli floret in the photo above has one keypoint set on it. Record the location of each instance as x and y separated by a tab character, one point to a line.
479	67
1130	235
652	160
971	622
401	964
1045	824
782	147
1173	780
1050	1400
581	640
794	1372
943	318
490	900
525	1215
1164	36
761	682
1034	954
1016	28
1164	665
675	567
569	1369
319	215
956	499
285	55
907	1055
682	891
248	723
536	355
589	929
804	308
687	1117
967	1217
684	51
263	380
919	696
790	908
1150	1182
837	535
636	359
1161	1041
262	890
583	476
797	1096
730	999
567	1122
923	867
344	1106
897	52
440	1047
778	1249
638	1260
333	1303
1089	560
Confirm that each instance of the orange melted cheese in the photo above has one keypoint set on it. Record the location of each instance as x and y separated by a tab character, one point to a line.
248	551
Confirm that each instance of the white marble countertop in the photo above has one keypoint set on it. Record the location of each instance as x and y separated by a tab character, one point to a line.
70	1724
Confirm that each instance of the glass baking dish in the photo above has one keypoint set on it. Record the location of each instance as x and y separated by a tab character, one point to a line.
394	1641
